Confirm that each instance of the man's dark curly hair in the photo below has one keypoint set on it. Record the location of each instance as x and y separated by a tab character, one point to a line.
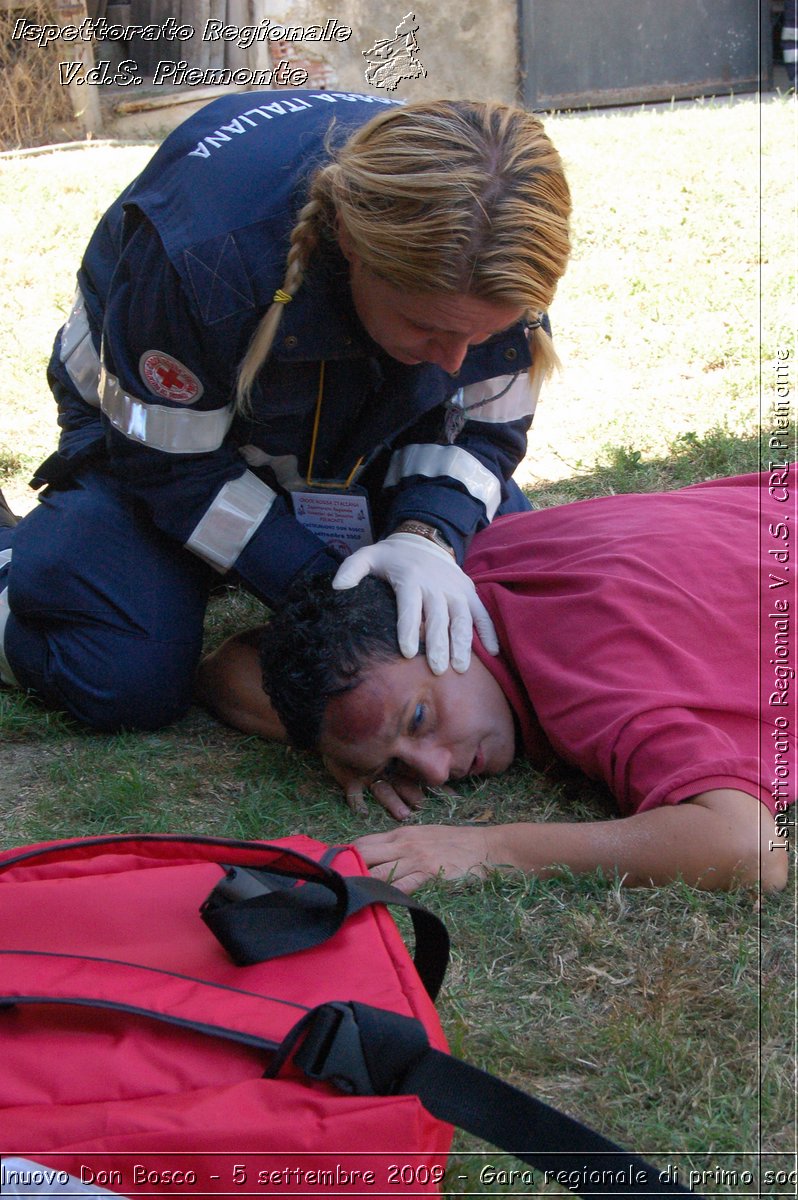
320	644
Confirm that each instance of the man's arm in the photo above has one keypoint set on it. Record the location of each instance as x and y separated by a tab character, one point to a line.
717	840
229	684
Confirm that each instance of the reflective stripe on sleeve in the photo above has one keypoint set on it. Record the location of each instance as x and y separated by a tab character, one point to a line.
78	354
505	398
171	430
6	674
447	462
231	521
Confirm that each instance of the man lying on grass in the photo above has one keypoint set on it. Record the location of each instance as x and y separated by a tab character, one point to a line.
629	648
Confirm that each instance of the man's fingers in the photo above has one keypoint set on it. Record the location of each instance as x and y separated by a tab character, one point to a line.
351	785
411	793
382	854
357	803
392	873
390	798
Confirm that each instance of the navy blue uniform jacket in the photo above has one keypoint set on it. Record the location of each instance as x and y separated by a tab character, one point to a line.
175	280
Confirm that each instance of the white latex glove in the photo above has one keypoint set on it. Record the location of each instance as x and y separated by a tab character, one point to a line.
429	584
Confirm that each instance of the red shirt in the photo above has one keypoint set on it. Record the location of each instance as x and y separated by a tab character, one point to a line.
631	629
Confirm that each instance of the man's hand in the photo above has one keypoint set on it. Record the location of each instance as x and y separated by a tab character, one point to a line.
399	797
409	857
430	585
718	839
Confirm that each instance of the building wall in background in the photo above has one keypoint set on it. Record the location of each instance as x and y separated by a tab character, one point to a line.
466	47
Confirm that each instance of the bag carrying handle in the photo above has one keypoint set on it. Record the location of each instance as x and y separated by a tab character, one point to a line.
257	914
228	1010
136	1010
263	886
367	1051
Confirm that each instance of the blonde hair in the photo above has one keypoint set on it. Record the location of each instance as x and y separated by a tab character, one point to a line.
440	197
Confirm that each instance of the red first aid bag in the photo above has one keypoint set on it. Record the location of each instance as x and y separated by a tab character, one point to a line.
133	1048
196	1016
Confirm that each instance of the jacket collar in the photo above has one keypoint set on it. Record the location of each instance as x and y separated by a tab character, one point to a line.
321	323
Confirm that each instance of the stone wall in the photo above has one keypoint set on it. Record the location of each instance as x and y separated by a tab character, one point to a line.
445	49
468	48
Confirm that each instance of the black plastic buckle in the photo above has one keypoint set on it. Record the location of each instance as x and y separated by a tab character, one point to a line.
332	1050
239	884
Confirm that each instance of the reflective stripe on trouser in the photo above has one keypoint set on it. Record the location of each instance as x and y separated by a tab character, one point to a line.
106	613
6	674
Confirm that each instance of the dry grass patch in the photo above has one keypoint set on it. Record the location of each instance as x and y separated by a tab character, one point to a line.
33	103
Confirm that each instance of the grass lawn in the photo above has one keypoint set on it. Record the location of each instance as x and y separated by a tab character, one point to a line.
666	1018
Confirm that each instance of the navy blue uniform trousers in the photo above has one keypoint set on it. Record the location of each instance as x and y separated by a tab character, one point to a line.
106	613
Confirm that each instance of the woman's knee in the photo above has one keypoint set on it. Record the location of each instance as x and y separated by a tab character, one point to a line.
106	620
144	685
106	681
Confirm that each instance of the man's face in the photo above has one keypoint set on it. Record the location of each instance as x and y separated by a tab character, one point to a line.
416	327
404	722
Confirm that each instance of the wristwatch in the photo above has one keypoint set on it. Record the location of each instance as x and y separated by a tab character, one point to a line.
426	531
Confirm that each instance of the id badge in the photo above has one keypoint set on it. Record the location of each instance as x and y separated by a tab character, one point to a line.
338	515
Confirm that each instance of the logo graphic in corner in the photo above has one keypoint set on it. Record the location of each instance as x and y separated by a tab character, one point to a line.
393	59
167	377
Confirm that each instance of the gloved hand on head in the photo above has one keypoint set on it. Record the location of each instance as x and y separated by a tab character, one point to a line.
429	586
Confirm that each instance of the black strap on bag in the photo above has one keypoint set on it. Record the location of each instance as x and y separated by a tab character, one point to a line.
368	1051
259	914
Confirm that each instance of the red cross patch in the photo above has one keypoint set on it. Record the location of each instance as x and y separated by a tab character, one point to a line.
167	377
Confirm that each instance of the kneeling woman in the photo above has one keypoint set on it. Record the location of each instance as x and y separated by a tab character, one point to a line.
629	649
